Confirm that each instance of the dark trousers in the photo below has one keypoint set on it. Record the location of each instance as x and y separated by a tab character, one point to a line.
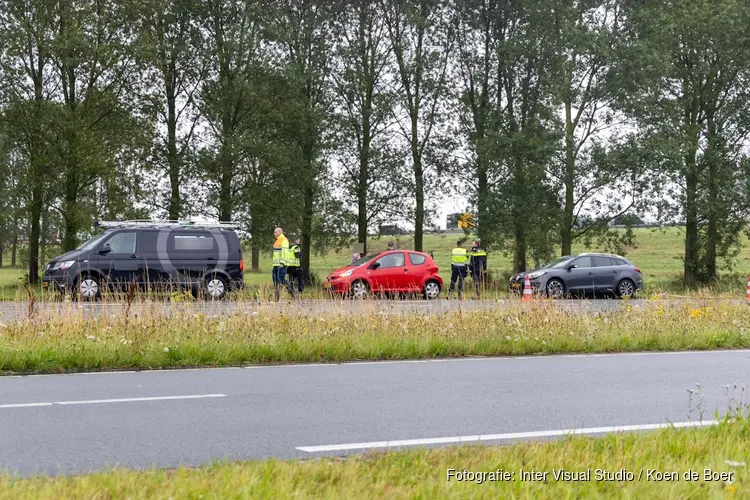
295	274
279	276
476	276
279	281
458	273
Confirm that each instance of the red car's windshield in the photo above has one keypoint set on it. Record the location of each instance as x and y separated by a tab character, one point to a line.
365	259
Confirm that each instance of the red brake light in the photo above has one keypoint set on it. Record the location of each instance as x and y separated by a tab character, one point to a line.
242	266
638	270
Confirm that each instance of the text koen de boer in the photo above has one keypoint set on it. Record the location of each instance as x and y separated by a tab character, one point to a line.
588	475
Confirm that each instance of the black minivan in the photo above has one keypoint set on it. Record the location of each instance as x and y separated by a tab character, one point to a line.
204	257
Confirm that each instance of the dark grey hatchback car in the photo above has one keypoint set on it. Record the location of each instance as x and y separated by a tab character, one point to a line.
202	257
588	274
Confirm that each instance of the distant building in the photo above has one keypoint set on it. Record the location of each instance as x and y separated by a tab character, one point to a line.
391	229
452	221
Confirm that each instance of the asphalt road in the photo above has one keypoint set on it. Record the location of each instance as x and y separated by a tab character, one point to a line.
85	422
14	311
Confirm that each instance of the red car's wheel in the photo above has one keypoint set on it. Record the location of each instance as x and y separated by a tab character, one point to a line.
360	290
431	290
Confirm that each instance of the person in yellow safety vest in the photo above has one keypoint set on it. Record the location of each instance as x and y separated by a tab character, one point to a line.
294	270
477	265
280	262
459	269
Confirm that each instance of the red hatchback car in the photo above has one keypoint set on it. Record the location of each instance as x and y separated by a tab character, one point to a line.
394	271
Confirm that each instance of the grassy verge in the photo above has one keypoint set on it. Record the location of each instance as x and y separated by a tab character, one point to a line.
152	340
721	449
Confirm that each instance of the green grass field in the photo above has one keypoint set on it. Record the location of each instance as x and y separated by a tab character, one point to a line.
657	252
668	463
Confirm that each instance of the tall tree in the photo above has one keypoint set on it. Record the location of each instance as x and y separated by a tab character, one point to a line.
478	49
171	44
370	176
688	90
422	39
26	29
93	62
586	69
303	31
229	98
506	57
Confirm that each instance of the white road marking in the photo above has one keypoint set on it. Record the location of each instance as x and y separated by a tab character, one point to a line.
500	437
119	400
25	405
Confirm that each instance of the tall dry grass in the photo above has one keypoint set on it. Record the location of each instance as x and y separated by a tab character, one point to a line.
151	336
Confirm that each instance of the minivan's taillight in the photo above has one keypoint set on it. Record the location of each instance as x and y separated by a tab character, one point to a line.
638	270
242	266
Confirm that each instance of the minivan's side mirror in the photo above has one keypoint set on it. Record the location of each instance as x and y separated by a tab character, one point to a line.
105	249
375	265
571	266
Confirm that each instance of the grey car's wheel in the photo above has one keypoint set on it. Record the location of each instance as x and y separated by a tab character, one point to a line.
359	289
626	288
216	288
431	290
88	288
555	288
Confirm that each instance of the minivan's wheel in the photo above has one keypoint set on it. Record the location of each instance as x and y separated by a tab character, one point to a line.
88	288
626	288
431	290
555	288
216	288
359	289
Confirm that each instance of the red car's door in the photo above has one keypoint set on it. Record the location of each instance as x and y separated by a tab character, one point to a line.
388	275
415	272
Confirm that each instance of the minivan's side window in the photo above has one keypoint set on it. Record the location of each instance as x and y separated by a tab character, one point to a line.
123	243
192	242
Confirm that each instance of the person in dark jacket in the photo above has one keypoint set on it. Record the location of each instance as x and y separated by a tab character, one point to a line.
294	269
478	265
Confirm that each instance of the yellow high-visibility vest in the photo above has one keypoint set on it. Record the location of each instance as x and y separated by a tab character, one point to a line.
293	255
281	251
459	257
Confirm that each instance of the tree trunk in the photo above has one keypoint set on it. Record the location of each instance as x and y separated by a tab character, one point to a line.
519	218
225	182
2	249
691	270
43	239
692	129
70	214
419	195
306	239
482	195
712	233
520	248
35	214
255	258
567	223
364	173
173	160
14	247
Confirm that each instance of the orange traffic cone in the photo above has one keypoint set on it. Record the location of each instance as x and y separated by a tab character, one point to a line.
748	289
527	296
